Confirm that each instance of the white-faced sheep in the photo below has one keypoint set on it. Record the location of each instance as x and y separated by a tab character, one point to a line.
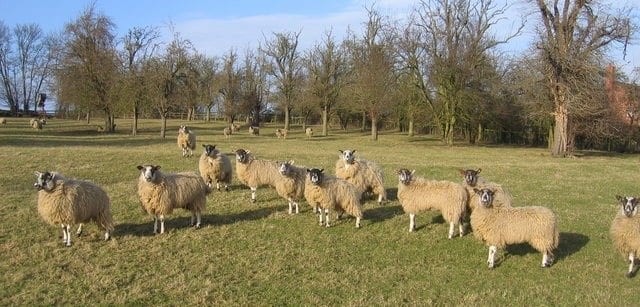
309	132
625	231
67	202
215	167
281	133
364	174
254	130
186	141
331	193
227	132
255	172
291	186
417	194
502	226
161	193
472	180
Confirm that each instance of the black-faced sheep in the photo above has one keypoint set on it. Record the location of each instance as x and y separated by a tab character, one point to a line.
502	226
254	130
472	180
364	174
417	194
67	202
161	193
215	167
255	172
331	193
291	185
186	141
625	231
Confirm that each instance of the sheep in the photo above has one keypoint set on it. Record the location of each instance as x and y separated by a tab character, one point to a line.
291	185
160	193
471	181
309	132
227	131
186	141
3	121
501	226
254	130
36	123
234	128
365	175
331	193
66	202
255	172
281	133
625	231
417	194
215	167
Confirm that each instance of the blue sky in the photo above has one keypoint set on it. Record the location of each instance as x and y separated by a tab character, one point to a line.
217	26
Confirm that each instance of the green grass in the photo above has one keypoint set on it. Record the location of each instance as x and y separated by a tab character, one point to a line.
257	254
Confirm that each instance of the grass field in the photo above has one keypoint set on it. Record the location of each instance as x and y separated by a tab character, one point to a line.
257	254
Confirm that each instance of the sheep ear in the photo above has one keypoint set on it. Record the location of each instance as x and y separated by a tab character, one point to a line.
413	172
618	197
321	170
476	191
140	167
291	162
354	151
157	167
462	172
478	171
37	173
204	145
341	152
308	170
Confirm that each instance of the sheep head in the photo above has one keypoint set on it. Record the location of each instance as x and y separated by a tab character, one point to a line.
486	197
45	181
405	176
470	176
629	205
183	129
315	175
285	167
149	172
348	155
242	156
210	150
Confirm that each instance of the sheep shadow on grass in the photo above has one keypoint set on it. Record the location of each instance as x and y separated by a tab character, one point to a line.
381	214
570	243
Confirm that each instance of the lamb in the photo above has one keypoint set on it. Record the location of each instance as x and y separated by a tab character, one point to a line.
501	226
331	193
471	181
291	185
215	167
281	133
417	194
227	132
309	132
625	231
365	175
160	193
255	172
254	130
186	141
67	202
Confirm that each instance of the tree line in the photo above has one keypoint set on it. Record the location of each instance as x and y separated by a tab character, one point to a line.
438	70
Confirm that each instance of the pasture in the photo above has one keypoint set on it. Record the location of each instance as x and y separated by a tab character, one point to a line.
257	254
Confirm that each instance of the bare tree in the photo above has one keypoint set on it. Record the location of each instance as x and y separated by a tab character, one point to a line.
572	32
285	66
254	86
207	92
9	83
228	84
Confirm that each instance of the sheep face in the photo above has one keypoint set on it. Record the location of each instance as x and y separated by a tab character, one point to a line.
348	155
44	181
405	176
183	129
149	172
315	175
470	176
285	167
242	156
210	150
486	197
629	205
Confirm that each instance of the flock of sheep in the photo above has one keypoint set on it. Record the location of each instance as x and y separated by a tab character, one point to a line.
487	206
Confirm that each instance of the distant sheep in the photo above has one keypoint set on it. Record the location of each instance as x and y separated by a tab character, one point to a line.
67	202
625	231
234	128
215	167
186	141
161	193
3	121
309	132
472	180
36	123
417	194
227	132
291	185
281	133
364	174
254	130
502	226
255	172
331	193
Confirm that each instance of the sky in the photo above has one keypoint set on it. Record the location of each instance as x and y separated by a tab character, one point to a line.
216	26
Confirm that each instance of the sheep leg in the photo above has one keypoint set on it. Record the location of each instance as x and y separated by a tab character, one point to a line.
67	228
547	259
295	204
412	222
357	222
327	213
195	217
79	232
218	186
253	194
379	199
64	235
320	214
290	206
631	264
492	256
161	223
461	228
452	229
107	235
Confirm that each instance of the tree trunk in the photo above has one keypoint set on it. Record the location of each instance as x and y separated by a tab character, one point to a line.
411	133
364	122
286	118
88	117
562	136
325	121
374	128
208	114
163	126
479	136
134	124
